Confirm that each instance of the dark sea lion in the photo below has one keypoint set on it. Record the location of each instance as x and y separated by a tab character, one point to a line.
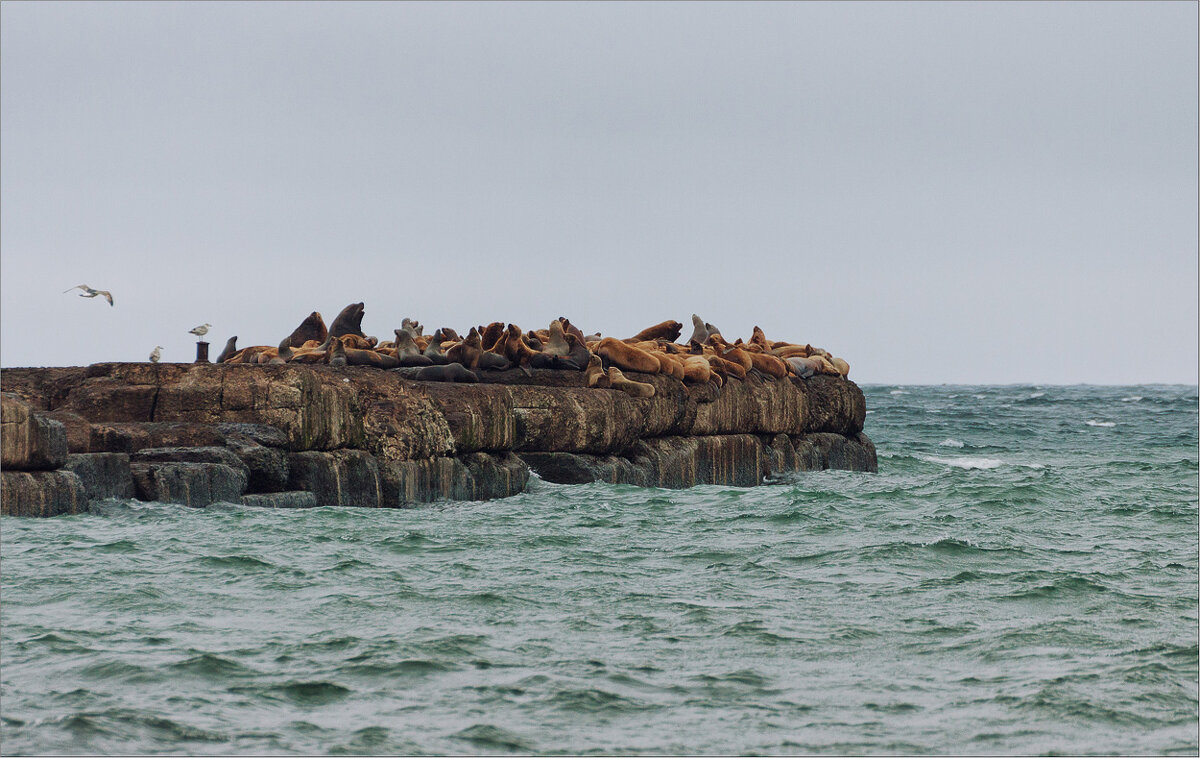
283	354
711	329
803	367
533	341
450	372
230	349
668	330
569	328
337	352
579	356
449	334
412	327
349	321
407	352
311	328
699	332
433	351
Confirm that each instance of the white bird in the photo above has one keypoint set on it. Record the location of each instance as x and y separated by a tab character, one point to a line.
156	355
201	330
89	292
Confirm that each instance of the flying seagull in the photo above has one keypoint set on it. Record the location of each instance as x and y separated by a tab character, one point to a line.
201	330
156	355
89	292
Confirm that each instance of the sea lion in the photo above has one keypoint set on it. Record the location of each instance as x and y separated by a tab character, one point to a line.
699	333
449	372
594	376
557	345
407	353
284	353
412	327
349	321
311	354
629	387
696	369
357	342
337	352
803	367
489	335
628	357
760	338
579	356
356	357
515	347
248	354
311	328
668	330
433	351
768	365
712	329
842	366
569	328
230	349
667	364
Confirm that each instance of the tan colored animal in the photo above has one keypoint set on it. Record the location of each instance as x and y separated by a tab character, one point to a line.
626	356
628	386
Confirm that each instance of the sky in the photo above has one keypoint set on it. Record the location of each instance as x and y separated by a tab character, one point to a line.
936	192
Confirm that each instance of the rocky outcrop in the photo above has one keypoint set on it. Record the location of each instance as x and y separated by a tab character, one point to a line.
359	436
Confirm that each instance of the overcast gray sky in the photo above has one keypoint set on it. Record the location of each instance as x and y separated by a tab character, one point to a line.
936	192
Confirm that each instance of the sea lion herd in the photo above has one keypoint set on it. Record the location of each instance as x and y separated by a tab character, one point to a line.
445	356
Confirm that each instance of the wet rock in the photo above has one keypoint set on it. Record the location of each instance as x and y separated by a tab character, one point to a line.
41	493
337	478
292	499
104	475
28	440
192	484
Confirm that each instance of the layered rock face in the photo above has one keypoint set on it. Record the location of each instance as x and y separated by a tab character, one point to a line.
296	436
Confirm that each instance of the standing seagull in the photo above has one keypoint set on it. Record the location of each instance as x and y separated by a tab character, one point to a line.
156	355
201	330
89	292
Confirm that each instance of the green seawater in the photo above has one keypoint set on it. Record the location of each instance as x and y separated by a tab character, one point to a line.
1019	577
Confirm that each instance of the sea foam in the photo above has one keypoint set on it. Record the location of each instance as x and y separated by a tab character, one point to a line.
1094	422
968	463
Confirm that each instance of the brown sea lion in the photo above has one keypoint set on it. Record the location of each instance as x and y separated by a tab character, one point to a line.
760	338
668	330
515	347
767	364
248	354
696	369
669	365
357	342
230	349
628	357
349	321
490	334
628	386
311	328
356	357
842	366
594	376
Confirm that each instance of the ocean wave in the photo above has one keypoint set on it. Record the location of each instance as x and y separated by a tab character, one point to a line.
950	442
1094	422
1131	399
897	392
964	463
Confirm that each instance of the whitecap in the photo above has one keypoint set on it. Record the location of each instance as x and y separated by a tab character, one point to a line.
1094	422
950	442
1131	399
983	463
977	397
1037	394
951	396
899	392
870	411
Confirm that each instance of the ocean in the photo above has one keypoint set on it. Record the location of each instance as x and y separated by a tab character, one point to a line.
1019	577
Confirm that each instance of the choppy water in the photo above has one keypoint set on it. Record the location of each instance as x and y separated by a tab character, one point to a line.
1020	577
